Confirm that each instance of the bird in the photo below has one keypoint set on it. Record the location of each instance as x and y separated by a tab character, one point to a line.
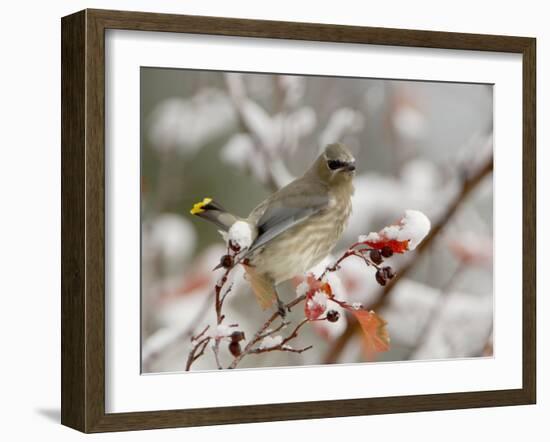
295	228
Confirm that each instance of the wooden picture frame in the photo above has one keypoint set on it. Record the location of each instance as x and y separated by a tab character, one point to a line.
83	219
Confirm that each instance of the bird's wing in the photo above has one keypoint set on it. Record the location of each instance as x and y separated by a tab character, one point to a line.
277	219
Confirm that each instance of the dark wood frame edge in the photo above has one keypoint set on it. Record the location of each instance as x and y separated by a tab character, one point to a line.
83	215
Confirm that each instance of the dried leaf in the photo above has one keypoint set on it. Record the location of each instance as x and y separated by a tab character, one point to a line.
261	287
375	334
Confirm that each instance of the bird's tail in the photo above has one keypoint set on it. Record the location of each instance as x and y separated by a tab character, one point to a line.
213	212
262	288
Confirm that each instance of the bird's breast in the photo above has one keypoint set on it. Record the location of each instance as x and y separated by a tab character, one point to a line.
305	245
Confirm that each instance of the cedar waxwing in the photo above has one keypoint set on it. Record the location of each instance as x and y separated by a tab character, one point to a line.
295	228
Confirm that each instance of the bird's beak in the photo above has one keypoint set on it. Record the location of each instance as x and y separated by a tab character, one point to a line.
350	167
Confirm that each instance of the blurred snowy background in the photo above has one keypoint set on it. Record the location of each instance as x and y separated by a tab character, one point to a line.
237	137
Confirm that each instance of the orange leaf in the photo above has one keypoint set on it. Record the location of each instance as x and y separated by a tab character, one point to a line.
396	246
375	334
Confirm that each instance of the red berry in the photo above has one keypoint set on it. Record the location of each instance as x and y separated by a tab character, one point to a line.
235	348
234	246
387	251
380	277
333	316
388	272
375	256
237	336
226	261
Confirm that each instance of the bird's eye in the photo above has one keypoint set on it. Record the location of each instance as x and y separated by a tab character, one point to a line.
335	164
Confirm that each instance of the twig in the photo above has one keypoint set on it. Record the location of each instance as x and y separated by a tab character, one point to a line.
281	348
183	334
260	334
201	334
282	325
469	184
219	299
197	351
350	252
283	345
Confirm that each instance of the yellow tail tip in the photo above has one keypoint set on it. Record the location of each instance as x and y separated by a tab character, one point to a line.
198	207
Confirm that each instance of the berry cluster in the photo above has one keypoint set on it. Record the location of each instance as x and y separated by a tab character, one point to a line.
377	256
383	274
234	246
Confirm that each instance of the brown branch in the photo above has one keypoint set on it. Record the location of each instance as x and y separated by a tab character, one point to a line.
260	334
201	334
183	334
219	300
275	330
295	331
197	351
350	252
281	348
468	185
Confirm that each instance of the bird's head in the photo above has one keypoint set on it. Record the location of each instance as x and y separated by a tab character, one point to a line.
336	165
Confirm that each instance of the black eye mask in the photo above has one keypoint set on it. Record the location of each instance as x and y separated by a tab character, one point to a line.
335	164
